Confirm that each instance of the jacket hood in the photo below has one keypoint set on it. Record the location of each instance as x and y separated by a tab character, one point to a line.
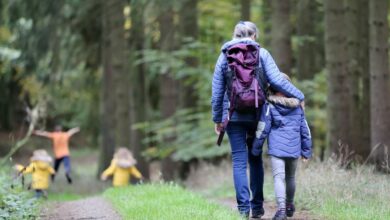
284	105
41	165
237	41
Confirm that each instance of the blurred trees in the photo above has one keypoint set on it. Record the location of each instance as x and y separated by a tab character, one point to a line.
138	72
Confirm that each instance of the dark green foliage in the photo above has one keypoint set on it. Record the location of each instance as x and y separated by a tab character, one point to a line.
15	202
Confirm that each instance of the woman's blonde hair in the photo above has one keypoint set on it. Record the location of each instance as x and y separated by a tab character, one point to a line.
245	29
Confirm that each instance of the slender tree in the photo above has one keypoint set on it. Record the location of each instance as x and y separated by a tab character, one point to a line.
356	67
365	113
338	89
189	33
168	85
281	30
108	103
379	80
307	46
140	97
120	68
245	10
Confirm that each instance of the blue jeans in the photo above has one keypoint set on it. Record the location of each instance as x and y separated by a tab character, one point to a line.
241	136
66	161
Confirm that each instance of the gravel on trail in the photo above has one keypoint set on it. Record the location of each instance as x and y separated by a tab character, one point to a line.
83	209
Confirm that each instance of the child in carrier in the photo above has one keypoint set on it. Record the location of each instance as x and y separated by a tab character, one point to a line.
122	166
41	171
283	122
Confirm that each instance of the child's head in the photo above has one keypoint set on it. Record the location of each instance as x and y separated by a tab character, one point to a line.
275	92
58	128
41	155
124	157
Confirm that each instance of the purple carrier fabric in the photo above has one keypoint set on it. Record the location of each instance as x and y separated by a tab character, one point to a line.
245	92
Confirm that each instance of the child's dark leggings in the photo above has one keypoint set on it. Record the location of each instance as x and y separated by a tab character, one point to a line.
39	193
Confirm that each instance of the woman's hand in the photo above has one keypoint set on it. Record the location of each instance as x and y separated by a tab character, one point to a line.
218	128
303	105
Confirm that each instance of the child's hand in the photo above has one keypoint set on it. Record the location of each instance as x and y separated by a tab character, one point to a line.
103	177
305	160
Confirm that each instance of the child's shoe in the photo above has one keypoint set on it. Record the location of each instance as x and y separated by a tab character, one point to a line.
258	213
280	215
290	209
68	178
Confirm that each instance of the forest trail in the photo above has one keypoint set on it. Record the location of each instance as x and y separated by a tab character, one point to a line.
270	209
83	209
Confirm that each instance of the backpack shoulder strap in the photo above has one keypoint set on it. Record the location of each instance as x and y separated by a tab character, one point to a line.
261	76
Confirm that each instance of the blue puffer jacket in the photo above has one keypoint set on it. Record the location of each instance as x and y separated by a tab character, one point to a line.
283	122
220	101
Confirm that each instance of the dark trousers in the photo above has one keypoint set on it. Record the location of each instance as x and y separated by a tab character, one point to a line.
241	136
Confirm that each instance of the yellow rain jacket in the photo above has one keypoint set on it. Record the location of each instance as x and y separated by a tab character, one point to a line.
40	171
121	176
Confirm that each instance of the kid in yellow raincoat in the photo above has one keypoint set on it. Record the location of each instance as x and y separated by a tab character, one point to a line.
41	171
122	166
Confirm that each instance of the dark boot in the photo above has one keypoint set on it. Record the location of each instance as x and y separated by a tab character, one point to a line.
290	209
258	213
280	215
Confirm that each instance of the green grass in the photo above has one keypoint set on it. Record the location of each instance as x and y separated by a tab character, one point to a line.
164	201
325	189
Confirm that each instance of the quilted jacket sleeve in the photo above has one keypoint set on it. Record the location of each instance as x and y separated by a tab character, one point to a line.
263	129
306	142
218	89
276	79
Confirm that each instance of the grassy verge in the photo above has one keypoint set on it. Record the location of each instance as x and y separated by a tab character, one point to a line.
335	193
164	201
325	189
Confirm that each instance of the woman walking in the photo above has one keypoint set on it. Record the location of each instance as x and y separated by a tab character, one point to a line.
241	126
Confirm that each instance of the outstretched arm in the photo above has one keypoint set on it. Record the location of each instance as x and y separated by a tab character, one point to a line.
73	131
135	172
42	133
108	172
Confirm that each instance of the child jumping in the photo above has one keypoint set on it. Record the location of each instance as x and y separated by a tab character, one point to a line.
283	122
41	170
61	147
122	166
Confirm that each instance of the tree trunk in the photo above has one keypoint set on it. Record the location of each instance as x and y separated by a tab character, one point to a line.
338	91
357	65
189	33
365	80
379	70
120	68
168	88
307	46
139	106
246	10
265	33
281	35
107	97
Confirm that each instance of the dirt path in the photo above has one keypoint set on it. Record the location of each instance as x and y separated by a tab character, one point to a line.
270	209
84	209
